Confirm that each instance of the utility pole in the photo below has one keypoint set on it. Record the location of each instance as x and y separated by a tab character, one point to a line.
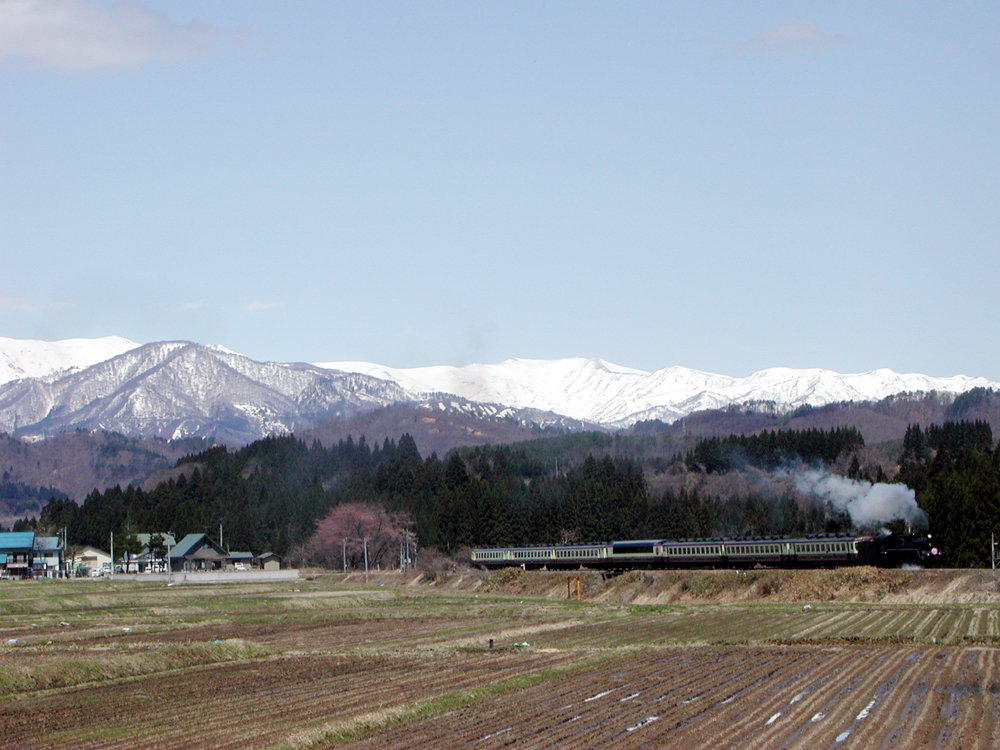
404	551
63	568
344	553
366	559
112	555
993	556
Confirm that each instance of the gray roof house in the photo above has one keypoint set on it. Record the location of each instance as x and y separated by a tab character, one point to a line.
197	552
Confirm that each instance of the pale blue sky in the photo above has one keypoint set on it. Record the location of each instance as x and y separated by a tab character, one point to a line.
721	185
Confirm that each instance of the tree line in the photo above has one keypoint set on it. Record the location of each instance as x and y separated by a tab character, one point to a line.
955	471
270	496
770	449
274	494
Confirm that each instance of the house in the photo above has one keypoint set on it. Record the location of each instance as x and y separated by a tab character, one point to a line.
197	552
90	561
269	561
147	559
16	551
24	554
47	560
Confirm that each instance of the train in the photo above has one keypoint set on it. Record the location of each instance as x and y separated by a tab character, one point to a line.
891	550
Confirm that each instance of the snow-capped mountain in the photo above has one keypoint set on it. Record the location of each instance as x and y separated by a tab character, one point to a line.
180	389
596	391
37	359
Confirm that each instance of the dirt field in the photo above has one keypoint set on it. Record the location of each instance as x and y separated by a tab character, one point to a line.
708	697
873	659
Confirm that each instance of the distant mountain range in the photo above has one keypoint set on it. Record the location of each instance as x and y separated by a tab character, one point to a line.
180	389
599	392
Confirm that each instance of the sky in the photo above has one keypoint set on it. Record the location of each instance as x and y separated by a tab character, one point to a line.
726	186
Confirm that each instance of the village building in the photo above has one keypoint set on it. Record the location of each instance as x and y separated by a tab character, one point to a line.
269	561
16	551
197	552
90	561
148	559
48	560
240	560
24	554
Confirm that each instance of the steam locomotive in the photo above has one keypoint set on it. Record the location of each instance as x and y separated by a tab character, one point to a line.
819	551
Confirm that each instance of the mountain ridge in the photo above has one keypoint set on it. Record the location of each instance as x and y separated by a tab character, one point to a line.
179	389
597	391
28	358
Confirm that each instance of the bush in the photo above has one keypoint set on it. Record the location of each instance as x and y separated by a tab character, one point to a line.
435	565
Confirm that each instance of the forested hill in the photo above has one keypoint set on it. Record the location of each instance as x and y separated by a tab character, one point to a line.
877	421
270	494
74	463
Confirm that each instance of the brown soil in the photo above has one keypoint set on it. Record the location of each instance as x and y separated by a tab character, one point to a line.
709	697
248	705
849	658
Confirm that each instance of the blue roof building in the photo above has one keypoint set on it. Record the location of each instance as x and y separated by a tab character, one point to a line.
18	550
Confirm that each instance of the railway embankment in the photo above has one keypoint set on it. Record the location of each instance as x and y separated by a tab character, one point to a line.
855	584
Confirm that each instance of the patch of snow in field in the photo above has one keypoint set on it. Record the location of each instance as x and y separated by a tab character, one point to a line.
817	717
644	722
866	711
843	735
630	697
494	734
773	719
599	695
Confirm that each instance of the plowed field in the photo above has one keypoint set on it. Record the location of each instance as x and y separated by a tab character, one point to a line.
327	663
250	704
705	697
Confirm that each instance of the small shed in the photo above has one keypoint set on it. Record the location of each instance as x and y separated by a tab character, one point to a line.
269	561
241	560
197	552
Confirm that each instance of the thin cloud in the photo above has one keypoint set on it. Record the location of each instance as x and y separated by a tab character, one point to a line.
84	34
260	305
14	303
791	36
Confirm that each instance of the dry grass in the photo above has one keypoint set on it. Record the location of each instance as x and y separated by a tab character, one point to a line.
33	669
338	662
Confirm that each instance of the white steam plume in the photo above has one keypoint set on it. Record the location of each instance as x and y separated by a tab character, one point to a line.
868	504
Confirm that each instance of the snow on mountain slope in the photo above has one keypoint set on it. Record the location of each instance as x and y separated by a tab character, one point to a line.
597	391
38	359
176	389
